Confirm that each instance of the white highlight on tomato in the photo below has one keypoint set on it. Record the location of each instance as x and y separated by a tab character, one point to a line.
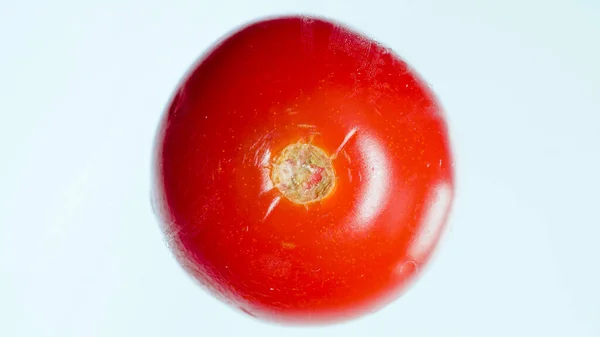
264	165
376	177
344	142
272	207
433	222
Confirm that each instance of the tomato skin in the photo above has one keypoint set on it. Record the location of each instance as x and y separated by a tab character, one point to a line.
295	79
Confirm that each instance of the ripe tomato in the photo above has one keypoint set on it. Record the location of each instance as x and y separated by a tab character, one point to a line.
303	172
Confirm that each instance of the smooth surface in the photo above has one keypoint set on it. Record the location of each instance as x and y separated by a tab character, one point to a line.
301	80
82	86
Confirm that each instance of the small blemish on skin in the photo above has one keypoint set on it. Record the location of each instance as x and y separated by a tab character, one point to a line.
288	245
347	156
247	312
408	267
376	109
306	126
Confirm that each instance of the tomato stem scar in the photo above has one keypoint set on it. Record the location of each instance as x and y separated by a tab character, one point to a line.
303	173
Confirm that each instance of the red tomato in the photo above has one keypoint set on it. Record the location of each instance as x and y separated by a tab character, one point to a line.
303	172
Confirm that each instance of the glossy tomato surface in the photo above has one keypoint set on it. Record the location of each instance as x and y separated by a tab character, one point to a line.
303	172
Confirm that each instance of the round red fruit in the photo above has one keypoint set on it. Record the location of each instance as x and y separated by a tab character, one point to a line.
303	172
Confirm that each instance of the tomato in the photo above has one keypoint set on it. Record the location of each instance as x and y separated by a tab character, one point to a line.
303	172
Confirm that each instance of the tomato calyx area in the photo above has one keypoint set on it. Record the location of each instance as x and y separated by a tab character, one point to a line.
303	173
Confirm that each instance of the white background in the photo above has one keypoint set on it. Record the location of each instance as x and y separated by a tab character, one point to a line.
83	85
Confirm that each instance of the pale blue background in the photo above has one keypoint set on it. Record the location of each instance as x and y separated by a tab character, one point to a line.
82	87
